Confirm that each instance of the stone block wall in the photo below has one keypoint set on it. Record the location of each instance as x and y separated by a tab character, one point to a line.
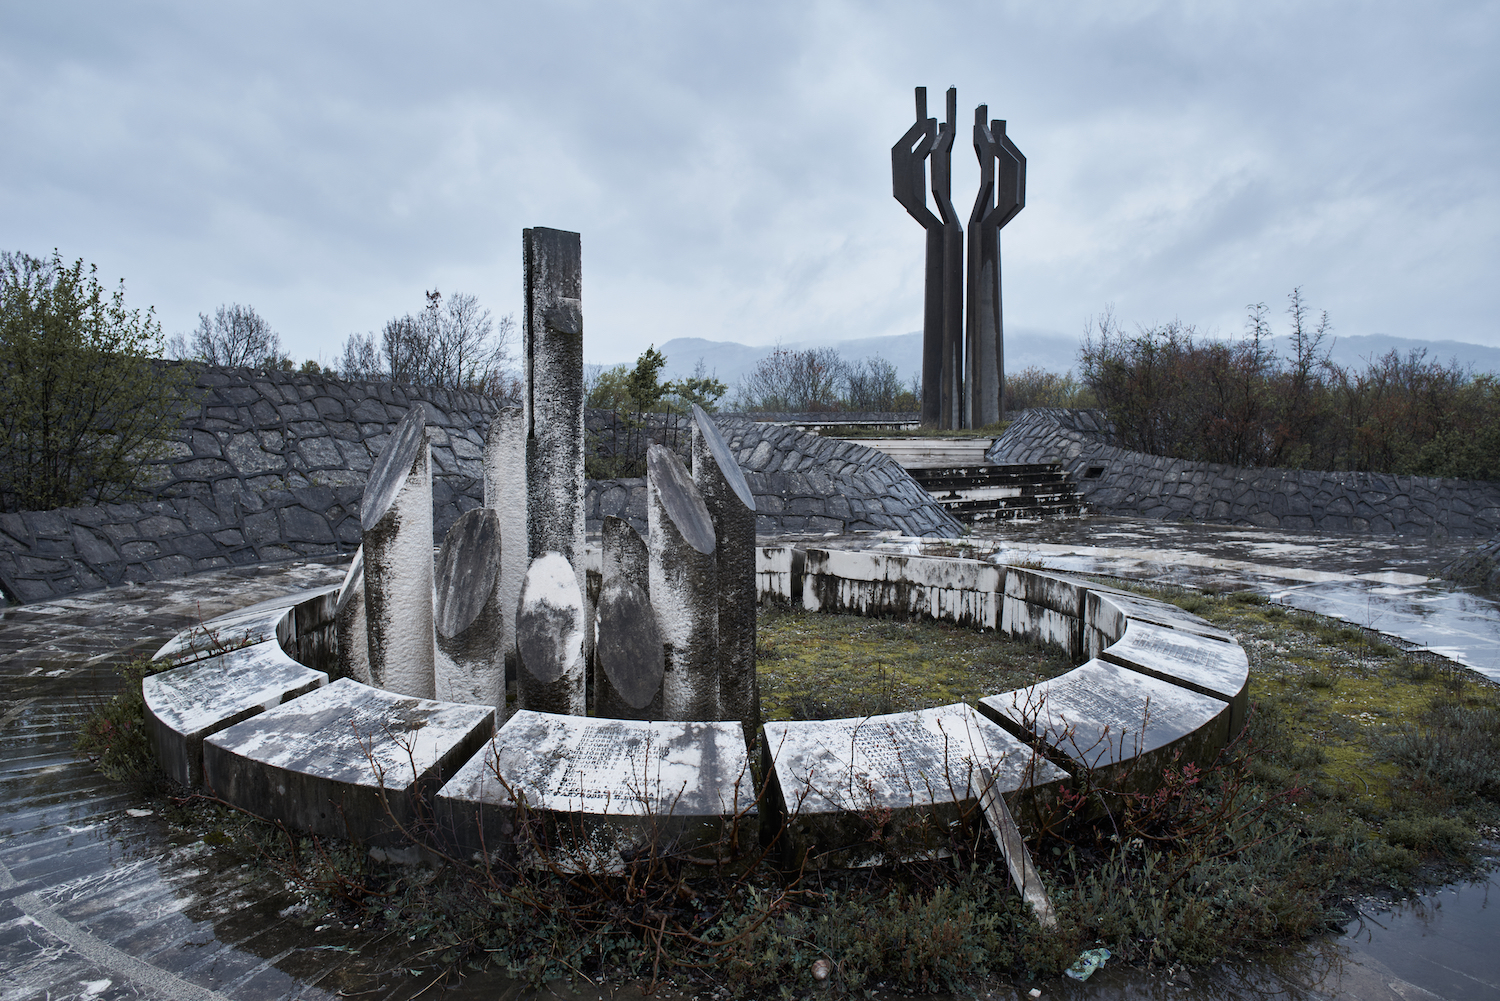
272	465
802	483
1117	481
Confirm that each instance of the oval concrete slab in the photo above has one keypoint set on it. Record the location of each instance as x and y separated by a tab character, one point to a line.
468	567
629	647
388	474
549	621
680	497
729	467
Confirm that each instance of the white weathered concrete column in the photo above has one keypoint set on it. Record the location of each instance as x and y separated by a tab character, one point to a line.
684	587
549	639
731	505
396	514
468	613
505	493
349	622
553	333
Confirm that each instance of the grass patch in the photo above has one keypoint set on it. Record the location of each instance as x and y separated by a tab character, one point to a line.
816	666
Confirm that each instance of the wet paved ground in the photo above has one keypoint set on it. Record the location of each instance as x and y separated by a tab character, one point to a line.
1381	583
98	901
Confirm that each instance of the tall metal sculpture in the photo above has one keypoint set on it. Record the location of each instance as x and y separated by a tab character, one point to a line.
963	368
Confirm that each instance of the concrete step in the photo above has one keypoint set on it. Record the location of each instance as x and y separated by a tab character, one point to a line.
929	453
983	492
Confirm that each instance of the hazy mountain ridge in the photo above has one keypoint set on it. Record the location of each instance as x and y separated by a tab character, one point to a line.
729	361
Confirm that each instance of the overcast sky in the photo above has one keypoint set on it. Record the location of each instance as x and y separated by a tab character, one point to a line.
728	164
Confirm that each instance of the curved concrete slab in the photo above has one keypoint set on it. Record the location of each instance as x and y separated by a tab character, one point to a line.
346	760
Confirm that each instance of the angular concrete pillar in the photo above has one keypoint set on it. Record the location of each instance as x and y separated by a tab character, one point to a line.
549	639
469	614
505	493
349	623
684	587
731	505
629	657
396	515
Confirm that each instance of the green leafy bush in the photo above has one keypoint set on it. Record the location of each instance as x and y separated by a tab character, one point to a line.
82	403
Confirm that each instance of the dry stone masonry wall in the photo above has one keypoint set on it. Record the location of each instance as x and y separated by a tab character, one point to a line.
1115	480
271	466
803	483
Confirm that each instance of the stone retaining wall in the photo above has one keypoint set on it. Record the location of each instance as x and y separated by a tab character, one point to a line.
1479	567
802	483
1117	481
272	465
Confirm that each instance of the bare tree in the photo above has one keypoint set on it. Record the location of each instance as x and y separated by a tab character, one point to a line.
362	359
235	336
453	343
793	381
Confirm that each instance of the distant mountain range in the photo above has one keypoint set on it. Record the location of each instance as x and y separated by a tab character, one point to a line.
729	361
1024	347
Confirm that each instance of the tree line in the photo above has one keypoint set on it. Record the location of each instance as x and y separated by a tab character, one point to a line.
1169	390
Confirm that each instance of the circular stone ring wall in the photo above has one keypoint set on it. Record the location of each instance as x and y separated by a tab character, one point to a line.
267	732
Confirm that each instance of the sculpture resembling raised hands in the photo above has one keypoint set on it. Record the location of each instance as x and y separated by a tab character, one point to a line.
963	370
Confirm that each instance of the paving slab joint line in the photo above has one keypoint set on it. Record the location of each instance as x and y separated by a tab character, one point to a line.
15	712
95	950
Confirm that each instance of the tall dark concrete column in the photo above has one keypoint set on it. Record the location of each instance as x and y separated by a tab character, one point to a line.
953	268
554	393
731	505
1002	194
909	185
554	399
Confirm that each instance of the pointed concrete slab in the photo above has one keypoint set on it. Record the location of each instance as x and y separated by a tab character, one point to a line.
603	785
346	760
1103	715
188	704
834	776
729	466
1203	665
679	498
630	653
389	473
